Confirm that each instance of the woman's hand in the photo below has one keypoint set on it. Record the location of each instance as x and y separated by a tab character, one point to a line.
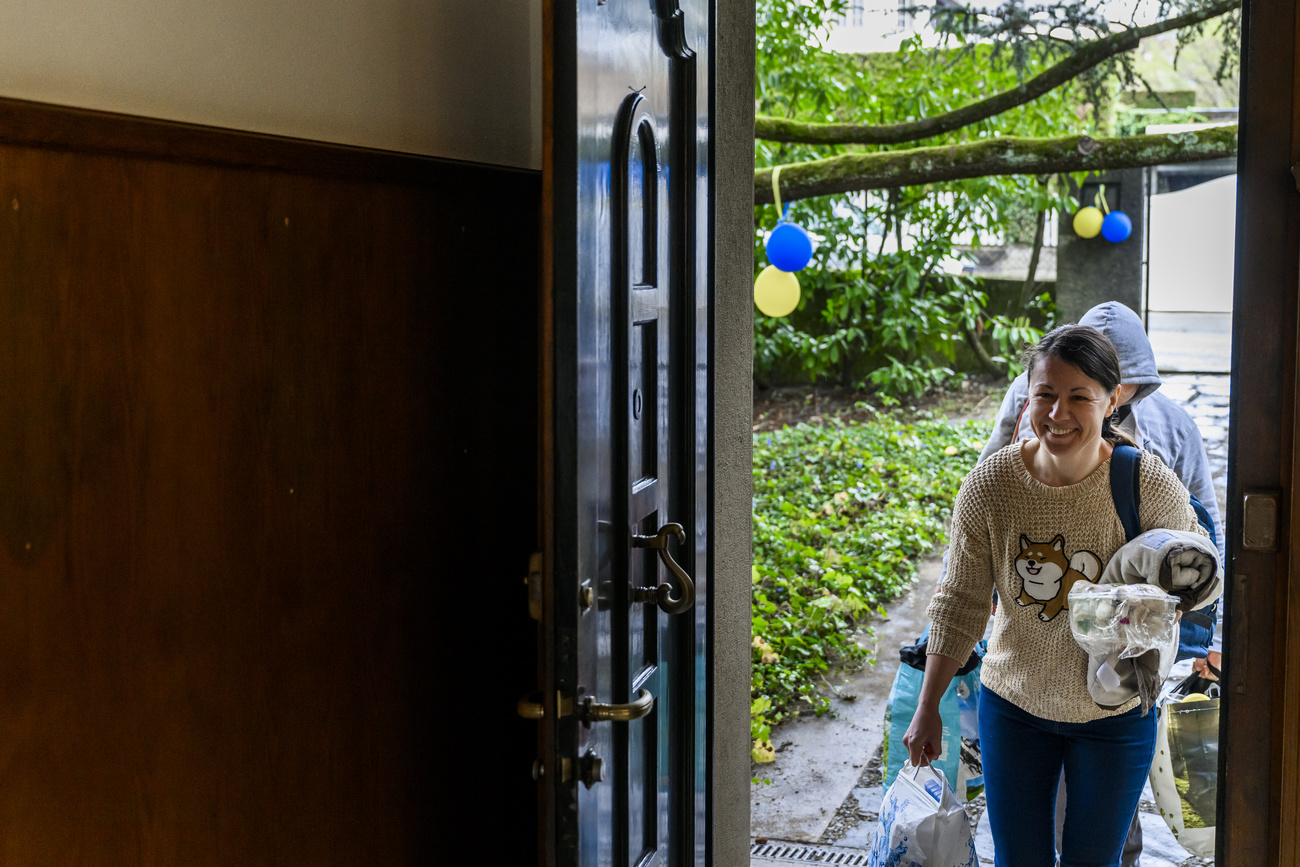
1204	667
924	734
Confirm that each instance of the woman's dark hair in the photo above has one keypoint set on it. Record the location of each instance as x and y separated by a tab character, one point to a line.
1087	349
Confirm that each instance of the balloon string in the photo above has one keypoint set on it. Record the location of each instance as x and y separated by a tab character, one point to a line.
776	192
1101	199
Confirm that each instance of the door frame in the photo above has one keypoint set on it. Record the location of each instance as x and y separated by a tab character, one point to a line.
731	484
1258	803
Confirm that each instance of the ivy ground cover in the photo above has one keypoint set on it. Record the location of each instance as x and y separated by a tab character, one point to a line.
843	512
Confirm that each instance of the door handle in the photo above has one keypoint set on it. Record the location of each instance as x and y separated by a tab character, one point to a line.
662	594
593	711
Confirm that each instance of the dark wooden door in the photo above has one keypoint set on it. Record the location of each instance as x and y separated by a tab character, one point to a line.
624	629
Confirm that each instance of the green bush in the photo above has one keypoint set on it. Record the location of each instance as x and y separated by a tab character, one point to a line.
842	515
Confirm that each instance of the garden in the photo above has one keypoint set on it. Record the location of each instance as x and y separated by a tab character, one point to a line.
846	503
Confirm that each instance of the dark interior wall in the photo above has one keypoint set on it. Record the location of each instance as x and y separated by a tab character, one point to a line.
267	495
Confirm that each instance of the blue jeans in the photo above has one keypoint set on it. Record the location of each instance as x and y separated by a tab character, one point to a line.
1105	761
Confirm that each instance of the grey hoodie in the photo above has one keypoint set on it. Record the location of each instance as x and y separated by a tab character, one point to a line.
1162	426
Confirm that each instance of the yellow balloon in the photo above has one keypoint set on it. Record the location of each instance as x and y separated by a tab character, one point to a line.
1087	223
776	292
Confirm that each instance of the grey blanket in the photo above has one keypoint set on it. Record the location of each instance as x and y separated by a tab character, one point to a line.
1184	565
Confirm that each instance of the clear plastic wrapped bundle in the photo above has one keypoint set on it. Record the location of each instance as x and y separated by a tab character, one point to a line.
1122	619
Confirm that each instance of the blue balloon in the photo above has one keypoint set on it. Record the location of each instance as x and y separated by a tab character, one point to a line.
1116	227
789	248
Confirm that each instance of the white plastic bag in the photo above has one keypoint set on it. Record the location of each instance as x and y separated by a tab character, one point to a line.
922	824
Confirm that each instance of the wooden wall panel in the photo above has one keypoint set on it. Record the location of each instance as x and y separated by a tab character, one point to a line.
243	550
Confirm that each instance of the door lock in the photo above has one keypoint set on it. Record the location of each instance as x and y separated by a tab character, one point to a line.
530	709
591	769
662	595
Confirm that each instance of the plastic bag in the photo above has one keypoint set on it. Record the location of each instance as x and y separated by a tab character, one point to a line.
900	708
1185	771
922	824
1122	619
970	767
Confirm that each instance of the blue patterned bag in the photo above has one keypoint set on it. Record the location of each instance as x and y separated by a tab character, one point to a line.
922	824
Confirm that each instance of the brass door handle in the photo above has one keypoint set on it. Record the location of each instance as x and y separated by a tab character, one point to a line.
594	711
662	595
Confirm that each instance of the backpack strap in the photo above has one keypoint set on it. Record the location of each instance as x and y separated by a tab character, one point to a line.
1015	431
1125	488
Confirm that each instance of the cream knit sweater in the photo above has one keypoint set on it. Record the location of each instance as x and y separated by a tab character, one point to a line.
1031	541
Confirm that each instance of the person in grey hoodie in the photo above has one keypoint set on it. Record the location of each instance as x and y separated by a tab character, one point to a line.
1157	424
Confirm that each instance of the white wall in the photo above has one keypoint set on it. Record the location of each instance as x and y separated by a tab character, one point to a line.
1193	241
448	78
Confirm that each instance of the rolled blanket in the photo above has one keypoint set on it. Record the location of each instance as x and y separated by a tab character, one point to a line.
1183	565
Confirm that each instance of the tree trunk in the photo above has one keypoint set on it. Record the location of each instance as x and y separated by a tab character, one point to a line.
978	348
1027	291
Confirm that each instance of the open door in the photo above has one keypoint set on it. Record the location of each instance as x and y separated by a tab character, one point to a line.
622	586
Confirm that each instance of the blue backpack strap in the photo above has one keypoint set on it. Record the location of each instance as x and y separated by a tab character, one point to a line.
1197	627
1203	518
1124	488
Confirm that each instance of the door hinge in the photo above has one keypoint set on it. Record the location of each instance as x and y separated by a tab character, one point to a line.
533	580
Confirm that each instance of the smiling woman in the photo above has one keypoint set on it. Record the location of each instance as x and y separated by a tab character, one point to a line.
1030	521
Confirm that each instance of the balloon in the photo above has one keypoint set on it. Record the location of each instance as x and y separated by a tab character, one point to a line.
1116	227
776	292
1087	223
789	247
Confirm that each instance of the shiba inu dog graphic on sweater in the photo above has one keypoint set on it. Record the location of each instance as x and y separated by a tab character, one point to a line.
1047	574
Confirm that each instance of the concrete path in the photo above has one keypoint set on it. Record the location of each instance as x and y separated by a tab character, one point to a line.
823	793
819	760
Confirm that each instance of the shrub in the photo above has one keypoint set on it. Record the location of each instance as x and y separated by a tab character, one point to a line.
842	515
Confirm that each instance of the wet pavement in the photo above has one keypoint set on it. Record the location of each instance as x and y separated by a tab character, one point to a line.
819	800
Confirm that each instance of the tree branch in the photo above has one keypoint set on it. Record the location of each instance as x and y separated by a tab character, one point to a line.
1092	54
1006	155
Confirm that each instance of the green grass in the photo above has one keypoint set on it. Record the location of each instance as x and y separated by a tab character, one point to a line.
842	515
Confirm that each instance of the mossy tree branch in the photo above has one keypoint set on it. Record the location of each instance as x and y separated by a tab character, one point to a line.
1007	155
1092	54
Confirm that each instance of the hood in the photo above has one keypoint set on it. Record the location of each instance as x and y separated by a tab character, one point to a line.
1137	362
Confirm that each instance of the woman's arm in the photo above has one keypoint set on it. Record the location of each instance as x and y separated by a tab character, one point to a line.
926	731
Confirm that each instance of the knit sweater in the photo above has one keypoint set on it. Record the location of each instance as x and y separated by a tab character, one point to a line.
1032	541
